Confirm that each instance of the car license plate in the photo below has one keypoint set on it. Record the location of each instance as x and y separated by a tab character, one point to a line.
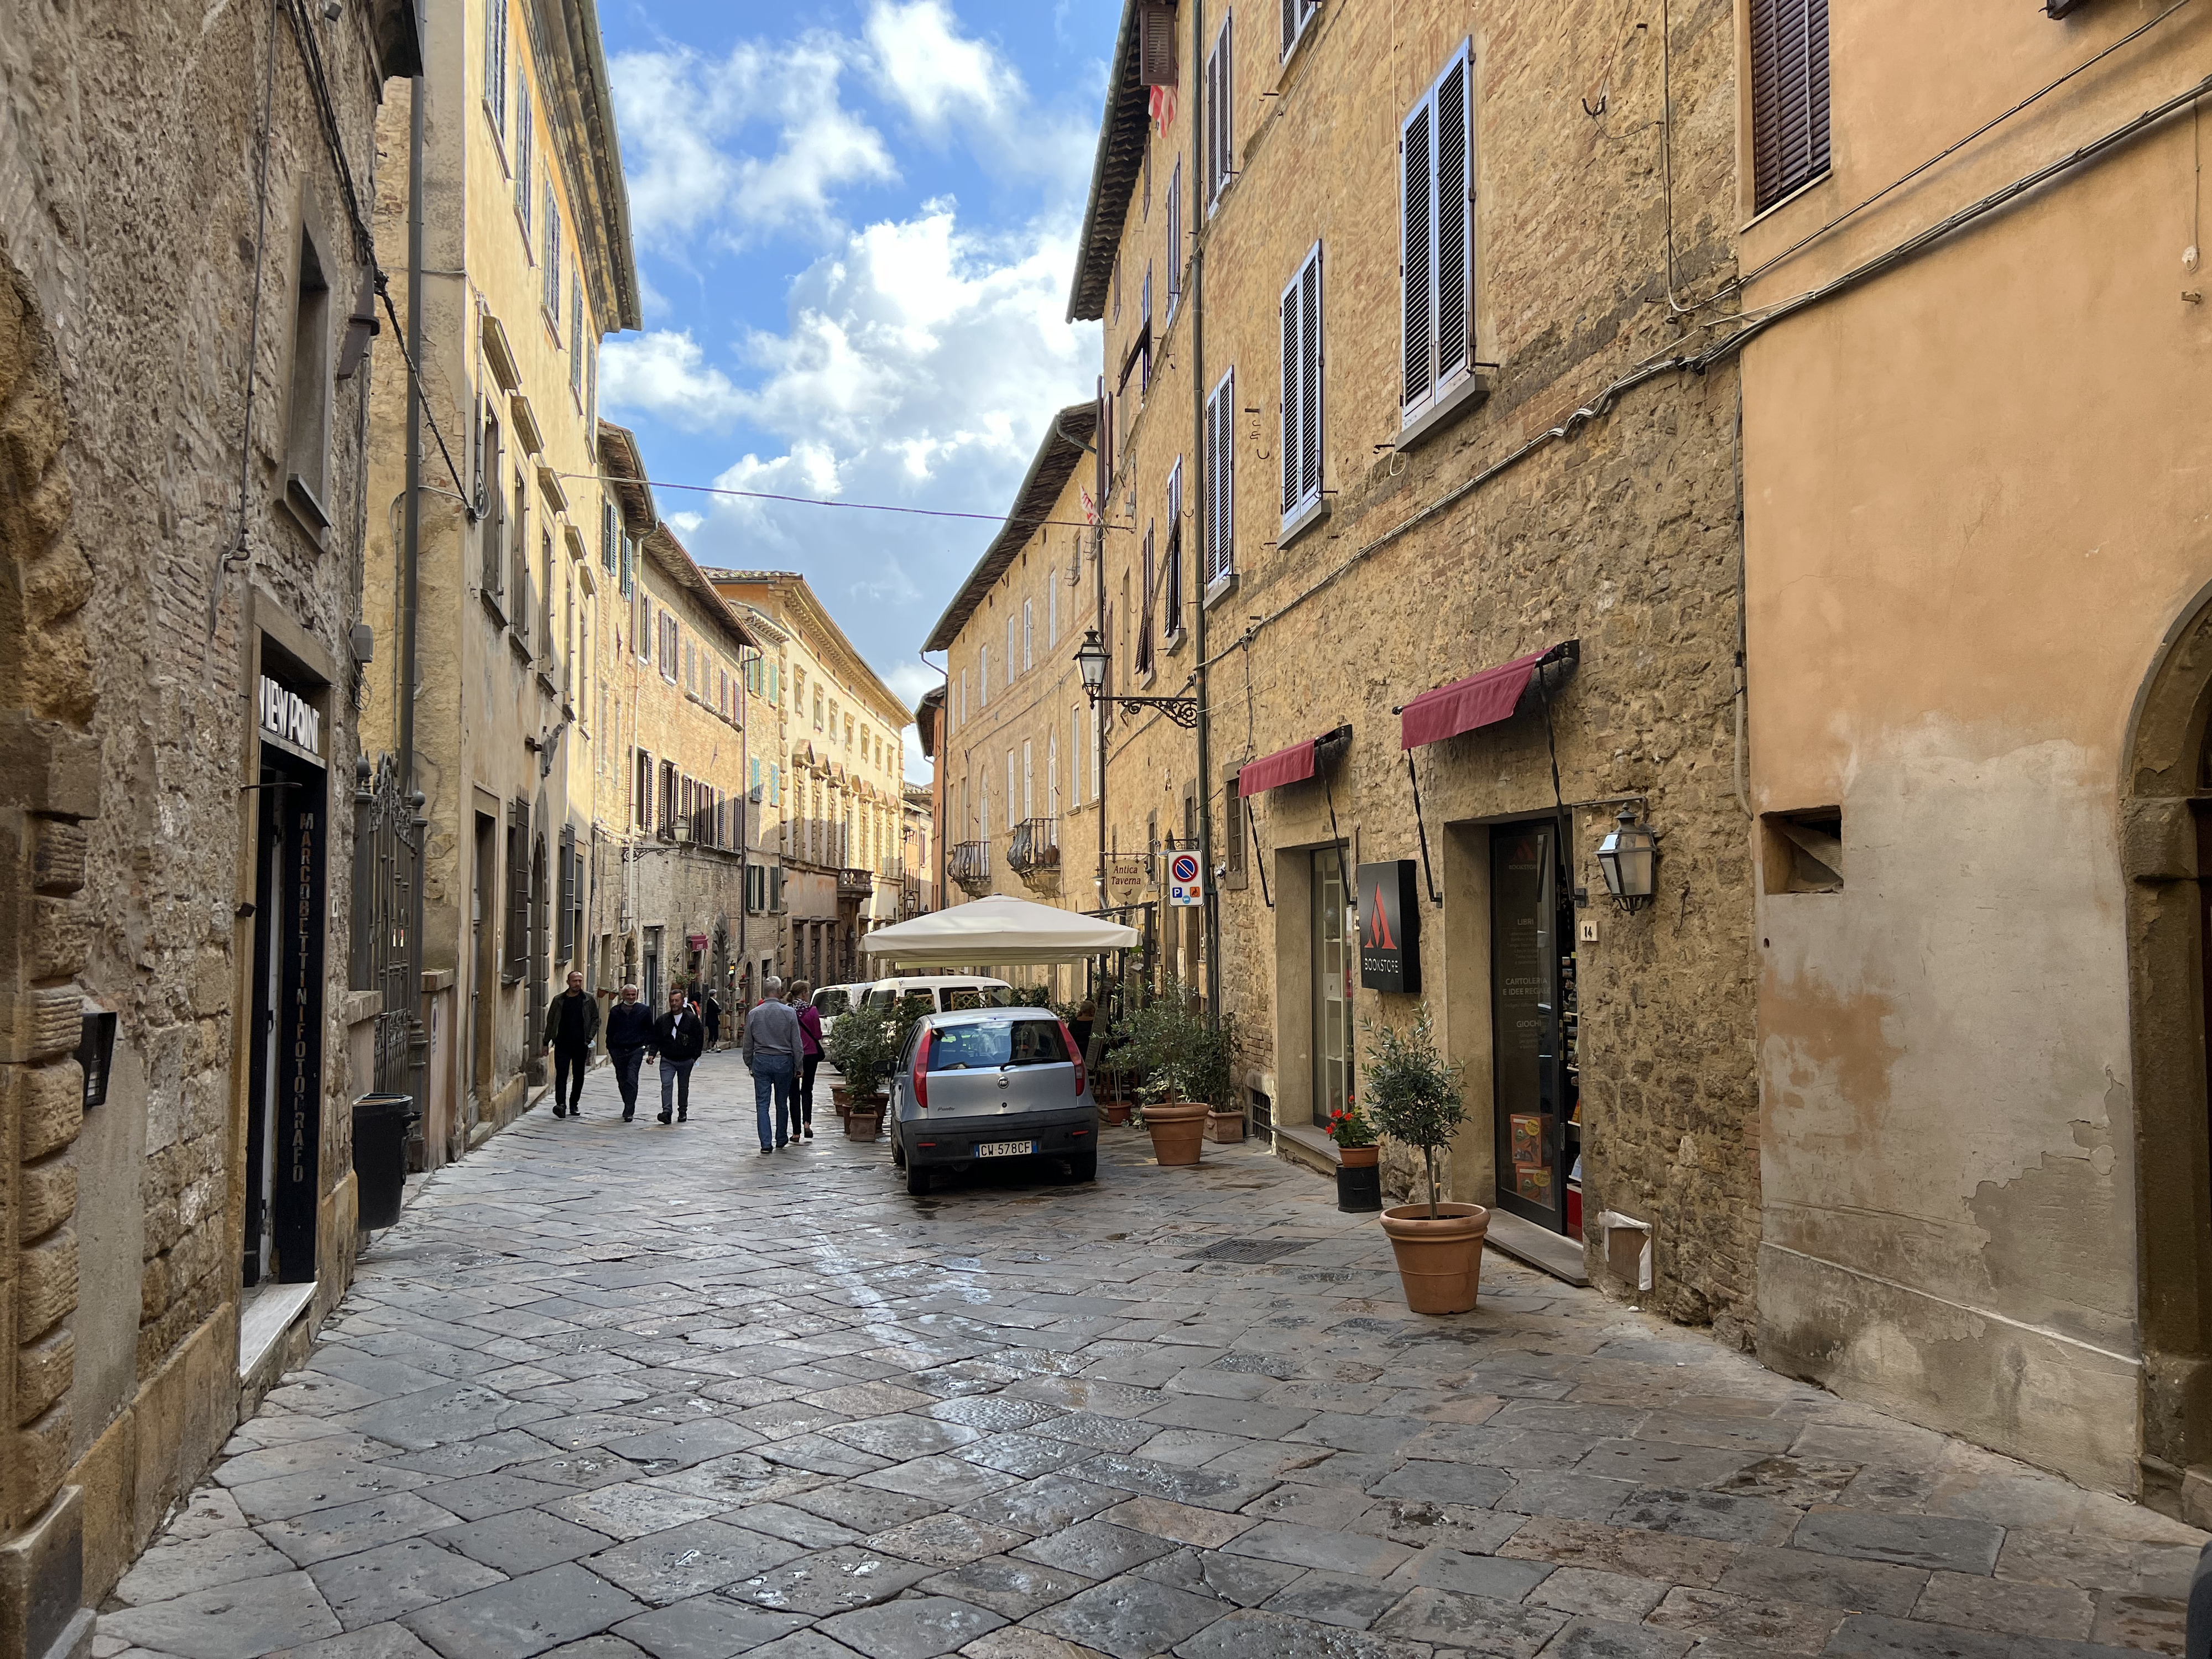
1004	1148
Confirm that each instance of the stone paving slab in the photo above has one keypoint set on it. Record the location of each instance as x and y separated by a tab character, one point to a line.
620	1391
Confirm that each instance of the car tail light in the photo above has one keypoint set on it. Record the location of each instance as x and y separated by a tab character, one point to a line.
921	1072
1068	1037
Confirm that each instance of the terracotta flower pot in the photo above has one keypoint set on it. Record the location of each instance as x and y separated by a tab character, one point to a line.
1178	1129
1224	1128
1116	1112
1440	1260
864	1119
1358	1157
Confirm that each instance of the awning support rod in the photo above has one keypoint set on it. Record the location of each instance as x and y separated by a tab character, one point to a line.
1259	853
1427	874
1343	873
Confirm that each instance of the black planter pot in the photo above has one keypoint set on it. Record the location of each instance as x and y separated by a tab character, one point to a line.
380	1157
1359	1190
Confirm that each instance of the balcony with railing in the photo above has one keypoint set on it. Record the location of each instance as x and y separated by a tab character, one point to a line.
855	883
968	867
1033	854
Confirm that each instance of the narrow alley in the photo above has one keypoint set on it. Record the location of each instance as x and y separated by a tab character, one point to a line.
615	1390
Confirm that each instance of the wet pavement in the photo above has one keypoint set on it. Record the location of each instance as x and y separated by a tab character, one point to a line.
616	1390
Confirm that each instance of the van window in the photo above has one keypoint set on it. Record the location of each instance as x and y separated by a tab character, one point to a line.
831	1001
1013	1042
960	997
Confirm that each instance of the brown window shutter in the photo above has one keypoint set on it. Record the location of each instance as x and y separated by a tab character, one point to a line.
1156	45
1789	97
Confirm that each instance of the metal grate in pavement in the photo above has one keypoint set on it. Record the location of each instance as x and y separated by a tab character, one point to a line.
1248	1250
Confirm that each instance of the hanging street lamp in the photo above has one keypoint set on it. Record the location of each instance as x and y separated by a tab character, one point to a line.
1627	857
1092	659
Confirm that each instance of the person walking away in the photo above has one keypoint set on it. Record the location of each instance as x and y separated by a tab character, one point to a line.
678	1038
630	1039
711	1011
810	1058
771	1048
572	1026
1079	1028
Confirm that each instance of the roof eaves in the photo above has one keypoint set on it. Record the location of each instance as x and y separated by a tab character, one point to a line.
1113	175
1067	440
675	562
623	465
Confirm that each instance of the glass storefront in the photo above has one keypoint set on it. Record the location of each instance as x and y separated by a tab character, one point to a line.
1532	987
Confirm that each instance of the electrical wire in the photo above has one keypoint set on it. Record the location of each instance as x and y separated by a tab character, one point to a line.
864	507
326	107
475	508
1800	246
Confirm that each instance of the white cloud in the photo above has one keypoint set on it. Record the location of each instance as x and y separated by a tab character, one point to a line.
938	75
684	120
664	372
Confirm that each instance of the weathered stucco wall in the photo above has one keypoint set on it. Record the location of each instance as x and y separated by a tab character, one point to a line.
1973	495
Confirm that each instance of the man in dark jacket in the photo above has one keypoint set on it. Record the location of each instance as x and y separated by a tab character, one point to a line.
572	1026
711	1011
629	1038
678	1038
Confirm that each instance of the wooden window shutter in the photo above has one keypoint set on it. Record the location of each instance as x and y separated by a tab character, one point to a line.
518	890
1309	377
1290	445
1453	136
1221	479
1417	173
1156	45
567	949
1788	96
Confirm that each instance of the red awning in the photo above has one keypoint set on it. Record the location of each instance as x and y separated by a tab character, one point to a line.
1465	705
1292	765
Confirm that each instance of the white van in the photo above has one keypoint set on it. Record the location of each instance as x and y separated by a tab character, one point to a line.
946	993
831	1001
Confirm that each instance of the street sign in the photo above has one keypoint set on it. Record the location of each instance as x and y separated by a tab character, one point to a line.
1128	875
1185	886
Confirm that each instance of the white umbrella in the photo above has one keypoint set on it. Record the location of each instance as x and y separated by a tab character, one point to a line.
999	930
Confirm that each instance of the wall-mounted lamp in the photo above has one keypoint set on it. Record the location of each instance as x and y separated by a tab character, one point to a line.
1628	856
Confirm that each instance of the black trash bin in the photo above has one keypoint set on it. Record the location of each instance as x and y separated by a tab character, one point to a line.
380	1157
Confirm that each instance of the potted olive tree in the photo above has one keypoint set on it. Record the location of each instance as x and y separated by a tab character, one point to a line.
1415	1097
864	1047
1157	1040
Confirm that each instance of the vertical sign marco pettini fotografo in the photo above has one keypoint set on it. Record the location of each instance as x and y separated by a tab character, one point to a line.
1390	926
301	1038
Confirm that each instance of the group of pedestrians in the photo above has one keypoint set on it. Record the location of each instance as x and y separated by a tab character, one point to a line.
783	1048
678	1036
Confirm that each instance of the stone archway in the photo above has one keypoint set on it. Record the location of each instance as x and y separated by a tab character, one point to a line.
2165	819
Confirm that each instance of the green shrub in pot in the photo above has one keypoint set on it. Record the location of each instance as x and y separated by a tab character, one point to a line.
1412	1095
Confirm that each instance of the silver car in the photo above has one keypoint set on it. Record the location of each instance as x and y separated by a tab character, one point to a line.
991	1083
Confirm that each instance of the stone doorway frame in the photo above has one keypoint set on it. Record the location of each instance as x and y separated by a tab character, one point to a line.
2165	784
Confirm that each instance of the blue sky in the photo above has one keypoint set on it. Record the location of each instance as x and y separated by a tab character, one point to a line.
855	225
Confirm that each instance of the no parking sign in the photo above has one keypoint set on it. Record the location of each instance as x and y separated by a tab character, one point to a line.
1185	886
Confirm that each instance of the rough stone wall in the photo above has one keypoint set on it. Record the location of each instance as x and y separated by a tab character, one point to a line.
1625	534
128	152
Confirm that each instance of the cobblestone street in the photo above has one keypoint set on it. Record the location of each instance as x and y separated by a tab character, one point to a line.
616	1390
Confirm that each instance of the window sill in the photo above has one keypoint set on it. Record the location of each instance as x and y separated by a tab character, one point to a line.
300	503
1470	394
545	684
498	137
521	647
491	603
1303	520
1812	184
1219	589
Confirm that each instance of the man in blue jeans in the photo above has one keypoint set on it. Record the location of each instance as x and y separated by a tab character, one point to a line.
678	1038
771	1050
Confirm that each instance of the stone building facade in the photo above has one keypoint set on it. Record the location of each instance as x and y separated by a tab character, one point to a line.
1017	759
526	231
1331	491
666	892
1979	698
182	507
829	750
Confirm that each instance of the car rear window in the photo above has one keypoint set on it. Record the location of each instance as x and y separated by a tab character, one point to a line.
1013	1042
958	998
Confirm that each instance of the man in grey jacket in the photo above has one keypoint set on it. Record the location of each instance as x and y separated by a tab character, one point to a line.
771	1049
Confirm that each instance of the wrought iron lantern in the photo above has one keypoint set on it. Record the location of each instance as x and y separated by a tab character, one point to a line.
1090	658
1627	857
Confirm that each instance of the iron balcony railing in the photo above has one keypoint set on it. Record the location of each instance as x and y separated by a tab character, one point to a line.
968	867
1033	852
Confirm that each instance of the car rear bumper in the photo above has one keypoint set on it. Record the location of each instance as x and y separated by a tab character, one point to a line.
954	1139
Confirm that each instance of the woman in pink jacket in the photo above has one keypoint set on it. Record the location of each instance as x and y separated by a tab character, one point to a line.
810	1041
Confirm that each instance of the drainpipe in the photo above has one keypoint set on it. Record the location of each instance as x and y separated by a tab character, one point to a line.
418	1041
1209	916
